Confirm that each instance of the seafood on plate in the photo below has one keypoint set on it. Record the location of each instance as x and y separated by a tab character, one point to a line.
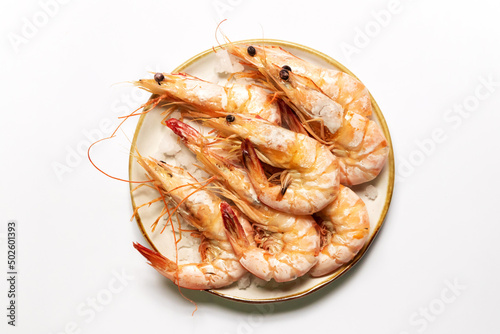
281	155
289	243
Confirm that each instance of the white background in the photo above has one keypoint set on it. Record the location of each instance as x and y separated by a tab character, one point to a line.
422	64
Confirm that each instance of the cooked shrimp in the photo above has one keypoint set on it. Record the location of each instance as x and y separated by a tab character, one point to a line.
345	225
211	99
344	89
358	143
201	209
311	171
287	254
356	140
290	242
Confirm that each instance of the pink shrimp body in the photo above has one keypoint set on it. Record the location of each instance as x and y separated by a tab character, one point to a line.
346	226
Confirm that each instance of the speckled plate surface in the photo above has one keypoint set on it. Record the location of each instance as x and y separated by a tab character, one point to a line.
149	133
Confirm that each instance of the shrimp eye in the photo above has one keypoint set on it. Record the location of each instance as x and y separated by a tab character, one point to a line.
251	51
286	67
159	77
284	74
230	118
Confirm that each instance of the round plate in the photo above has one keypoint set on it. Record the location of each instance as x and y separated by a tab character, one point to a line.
150	131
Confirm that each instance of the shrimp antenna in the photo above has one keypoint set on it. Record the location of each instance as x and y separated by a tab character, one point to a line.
102	171
148	106
217	29
119	83
262	30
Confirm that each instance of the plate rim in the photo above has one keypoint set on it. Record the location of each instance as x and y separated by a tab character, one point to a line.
390	164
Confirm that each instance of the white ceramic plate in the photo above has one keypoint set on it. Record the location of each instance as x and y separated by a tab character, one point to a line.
150	132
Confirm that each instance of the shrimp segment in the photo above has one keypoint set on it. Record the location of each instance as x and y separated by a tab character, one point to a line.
201	209
346	225
213	100
341	87
289	242
312	171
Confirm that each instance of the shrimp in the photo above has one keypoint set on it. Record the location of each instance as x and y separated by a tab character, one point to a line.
359	145
290	243
346	225
341	87
361	148
286	258
201	209
311	178
211	99
357	141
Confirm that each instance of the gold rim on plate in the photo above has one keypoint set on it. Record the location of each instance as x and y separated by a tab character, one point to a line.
390	164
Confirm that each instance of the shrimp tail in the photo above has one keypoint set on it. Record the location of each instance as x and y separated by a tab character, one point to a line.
156	260
234	230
